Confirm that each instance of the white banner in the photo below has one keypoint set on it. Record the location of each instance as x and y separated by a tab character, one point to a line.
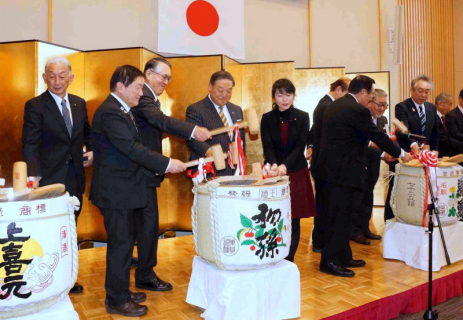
201	27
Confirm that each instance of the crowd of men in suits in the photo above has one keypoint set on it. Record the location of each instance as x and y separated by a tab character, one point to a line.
345	158
125	147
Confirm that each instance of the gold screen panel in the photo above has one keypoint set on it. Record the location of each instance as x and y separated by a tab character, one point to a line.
191	77
17	86
257	80
312	85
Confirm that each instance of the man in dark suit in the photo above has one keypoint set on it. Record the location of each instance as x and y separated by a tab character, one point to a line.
119	184
420	117
361	232
341	168
55	130
216	111
444	102
152	123
338	89
454	125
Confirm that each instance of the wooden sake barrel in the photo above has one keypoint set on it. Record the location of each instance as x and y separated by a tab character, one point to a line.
39	261
408	194
240	226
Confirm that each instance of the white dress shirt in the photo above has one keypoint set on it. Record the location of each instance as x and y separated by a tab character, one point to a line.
58	100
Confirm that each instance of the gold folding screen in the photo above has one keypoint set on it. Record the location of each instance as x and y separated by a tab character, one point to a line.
428	44
21	80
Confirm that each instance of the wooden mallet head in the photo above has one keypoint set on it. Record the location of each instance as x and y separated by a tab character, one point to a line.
217	155
252	120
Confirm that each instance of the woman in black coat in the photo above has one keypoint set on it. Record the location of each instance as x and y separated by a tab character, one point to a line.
284	132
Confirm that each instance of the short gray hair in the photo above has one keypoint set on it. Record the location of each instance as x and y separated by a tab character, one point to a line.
58	60
421	77
443	97
379	93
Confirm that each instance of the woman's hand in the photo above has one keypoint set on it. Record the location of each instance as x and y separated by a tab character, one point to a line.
274	170
282	170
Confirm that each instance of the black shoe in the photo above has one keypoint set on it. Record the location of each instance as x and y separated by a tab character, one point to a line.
129	309
78	288
134	262
336	270
354	264
317	249
154	285
137	297
360	239
372	236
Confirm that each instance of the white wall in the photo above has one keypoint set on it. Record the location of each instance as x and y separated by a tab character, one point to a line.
23	20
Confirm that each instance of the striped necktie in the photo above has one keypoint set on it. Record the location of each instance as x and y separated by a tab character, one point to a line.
225	122
133	119
66	116
422	120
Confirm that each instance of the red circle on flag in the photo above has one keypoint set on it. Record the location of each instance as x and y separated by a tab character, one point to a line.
202	18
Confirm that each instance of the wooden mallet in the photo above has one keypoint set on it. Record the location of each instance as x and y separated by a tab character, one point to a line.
251	122
217	156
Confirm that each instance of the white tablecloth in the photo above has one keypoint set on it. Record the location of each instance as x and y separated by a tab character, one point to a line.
63	310
273	293
410	243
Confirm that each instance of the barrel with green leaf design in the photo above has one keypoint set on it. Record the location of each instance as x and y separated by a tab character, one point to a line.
241	226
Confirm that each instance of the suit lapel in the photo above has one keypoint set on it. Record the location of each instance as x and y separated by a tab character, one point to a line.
233	116
214	115
292	128
50	103
132	125
275	125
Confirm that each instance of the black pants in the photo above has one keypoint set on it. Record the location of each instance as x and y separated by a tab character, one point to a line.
73	186
295	237
317	233
362	216
146	233
340	203
388	214
120	228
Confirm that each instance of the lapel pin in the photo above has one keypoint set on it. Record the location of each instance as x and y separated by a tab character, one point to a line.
414	109
75	105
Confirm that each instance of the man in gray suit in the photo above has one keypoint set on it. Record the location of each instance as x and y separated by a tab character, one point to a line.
215	111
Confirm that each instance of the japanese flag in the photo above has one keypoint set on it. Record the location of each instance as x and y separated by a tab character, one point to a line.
201	27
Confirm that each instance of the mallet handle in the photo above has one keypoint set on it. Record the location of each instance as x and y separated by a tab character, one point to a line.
241	124
208	159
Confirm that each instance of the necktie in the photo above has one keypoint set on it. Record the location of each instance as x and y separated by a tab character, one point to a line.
443	123
66	116
225	122
422	120
157	103
133	120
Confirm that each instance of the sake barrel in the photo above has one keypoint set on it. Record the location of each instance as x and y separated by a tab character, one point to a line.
39	260
408	194
240	226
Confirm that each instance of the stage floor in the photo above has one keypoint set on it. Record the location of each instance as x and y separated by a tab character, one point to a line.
322	295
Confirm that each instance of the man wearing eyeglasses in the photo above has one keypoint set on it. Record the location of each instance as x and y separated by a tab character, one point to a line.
361	232
152	123
420	117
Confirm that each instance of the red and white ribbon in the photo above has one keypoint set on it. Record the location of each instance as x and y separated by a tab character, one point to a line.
429	160
241	170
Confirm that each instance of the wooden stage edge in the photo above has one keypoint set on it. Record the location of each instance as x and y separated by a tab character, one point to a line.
322	295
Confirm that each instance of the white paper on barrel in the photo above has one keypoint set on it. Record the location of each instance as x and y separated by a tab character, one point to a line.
44	230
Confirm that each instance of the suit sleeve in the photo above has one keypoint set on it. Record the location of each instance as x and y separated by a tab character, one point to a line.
454	136
372	133
402	115
434	138
267	143
194	117
152	115
295	154
32	137
88	141
310	138
116	128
